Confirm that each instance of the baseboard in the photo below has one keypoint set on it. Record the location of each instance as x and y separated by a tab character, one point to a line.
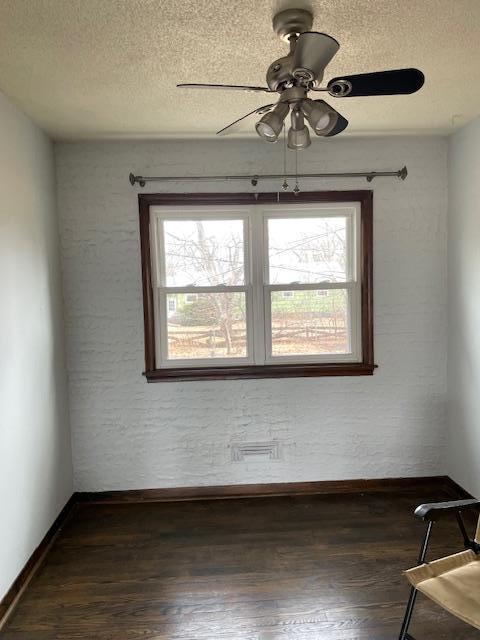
456	490
177	494
223	492
9	600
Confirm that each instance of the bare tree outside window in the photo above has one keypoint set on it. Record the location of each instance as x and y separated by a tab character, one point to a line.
206	253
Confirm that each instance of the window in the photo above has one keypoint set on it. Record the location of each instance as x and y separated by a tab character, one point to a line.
238	286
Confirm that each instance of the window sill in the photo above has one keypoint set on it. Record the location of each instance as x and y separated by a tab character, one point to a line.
261	371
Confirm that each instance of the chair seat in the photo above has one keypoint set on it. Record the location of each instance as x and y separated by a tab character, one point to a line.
453	583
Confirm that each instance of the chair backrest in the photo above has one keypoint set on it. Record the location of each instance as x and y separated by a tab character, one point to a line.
477	535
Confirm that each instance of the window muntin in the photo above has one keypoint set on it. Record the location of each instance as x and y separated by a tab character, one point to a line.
221	291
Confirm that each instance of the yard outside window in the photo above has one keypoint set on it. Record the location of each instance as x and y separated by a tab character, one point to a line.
254	288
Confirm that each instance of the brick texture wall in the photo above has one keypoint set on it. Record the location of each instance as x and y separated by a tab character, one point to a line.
128	434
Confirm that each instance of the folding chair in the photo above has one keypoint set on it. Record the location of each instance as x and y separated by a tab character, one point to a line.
452	582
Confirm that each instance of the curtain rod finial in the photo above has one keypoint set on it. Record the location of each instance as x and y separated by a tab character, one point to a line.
133	179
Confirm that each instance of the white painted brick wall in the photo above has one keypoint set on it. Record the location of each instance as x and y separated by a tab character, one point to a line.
130	434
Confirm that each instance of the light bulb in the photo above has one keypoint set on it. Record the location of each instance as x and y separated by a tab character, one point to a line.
271	124
298	134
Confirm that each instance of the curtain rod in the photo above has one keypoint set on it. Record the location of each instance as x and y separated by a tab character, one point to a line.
369	175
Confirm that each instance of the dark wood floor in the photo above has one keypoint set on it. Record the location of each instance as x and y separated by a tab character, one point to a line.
318	567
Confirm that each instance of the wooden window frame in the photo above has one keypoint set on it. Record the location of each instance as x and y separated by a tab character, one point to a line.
365	367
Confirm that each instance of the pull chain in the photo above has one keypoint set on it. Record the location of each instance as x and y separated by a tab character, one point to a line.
296	189
285	183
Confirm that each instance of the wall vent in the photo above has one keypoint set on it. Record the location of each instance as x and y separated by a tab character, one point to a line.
255	451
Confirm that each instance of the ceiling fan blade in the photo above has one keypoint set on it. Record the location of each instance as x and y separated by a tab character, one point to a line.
234	126
313	51
340	125
380	83
234	87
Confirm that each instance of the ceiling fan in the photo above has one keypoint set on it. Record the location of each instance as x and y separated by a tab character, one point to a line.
301	71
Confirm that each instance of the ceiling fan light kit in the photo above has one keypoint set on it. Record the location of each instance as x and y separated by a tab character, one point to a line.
302	70
270	125
321	117
298	134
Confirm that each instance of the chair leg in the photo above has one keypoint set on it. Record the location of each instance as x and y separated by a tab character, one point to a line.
404	635
408	616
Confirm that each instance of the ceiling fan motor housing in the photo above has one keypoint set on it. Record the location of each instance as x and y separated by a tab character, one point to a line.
288	25
310	51
279	73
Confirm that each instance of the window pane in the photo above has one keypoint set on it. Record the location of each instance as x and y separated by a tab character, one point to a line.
307	250
203	252
310	323
213	325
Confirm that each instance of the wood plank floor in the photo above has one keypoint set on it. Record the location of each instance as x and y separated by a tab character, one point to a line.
305	568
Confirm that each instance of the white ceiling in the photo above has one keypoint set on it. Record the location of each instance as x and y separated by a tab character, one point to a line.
108	68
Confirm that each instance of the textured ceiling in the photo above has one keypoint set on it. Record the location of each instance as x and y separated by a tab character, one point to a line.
108	68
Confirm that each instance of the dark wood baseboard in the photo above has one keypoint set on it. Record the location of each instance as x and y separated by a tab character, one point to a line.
456	491
33	563
223	492
440	483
